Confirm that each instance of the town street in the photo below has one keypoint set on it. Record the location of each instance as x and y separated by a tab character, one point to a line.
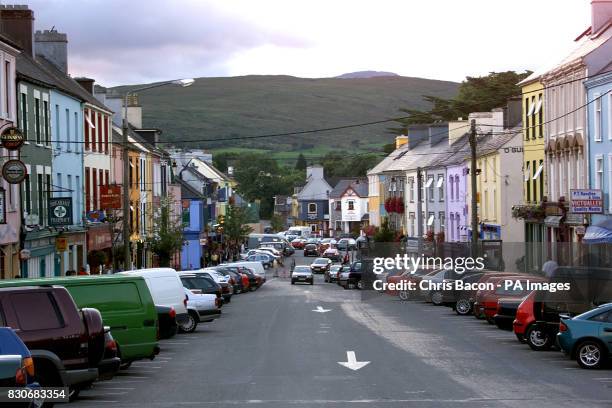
276	347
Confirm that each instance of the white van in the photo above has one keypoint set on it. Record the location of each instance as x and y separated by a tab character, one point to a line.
166	289
257	267
302	232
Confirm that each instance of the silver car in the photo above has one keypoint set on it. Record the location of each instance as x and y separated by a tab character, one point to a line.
302	273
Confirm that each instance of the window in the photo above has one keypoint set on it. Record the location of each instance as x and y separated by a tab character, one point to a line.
312	208
610	182
412	230
442	218
431	219
541	177
440	186
430	186
451	228
77	182
457	226
338	225
313	227
485	169
87	190
457	198
540	113
599	172
36	311
338	205
494	204
351	205
494	168
451	188
106	177
105	134
37	120
28	194
411	187
597	120
87	126
58	145
527	177
46	123
24	114
8	91
526	119
39	188
94	189
76	131
532	117
485	204
47	192
68	136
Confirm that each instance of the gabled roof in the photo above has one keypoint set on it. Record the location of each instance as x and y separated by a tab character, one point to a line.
359	186
315	189
31	71
188	191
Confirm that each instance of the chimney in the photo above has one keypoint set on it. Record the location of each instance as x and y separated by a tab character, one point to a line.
400	141
53	46
17	23
134	111
601	13
456	129
86	83
316	172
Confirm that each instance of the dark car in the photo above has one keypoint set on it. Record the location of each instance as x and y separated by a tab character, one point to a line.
255	281
66	344
506	312
331	275
111	357
166	318
311	250
235	278
202	282
352	280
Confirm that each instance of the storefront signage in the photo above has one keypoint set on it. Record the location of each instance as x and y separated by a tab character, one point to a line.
586	201
11	138
60	211
110	197
14	171
96	216
99	238
2	206
574	219
61	244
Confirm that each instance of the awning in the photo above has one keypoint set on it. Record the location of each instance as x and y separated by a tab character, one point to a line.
599	234
553	220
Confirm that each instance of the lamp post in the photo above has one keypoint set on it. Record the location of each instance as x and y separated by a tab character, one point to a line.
126	165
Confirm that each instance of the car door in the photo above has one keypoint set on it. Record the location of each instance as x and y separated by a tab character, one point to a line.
605	330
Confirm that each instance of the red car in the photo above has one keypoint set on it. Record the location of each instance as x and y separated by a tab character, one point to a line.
298	243
524	317
486	301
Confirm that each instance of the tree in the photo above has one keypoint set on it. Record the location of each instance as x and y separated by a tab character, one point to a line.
384	233
301	164
235	228
476	94
389	147
277	223
167	236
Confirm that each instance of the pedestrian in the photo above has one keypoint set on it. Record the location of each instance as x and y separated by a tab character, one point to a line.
346	258
214	258
549	268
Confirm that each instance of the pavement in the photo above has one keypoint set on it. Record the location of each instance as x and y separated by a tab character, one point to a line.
282	346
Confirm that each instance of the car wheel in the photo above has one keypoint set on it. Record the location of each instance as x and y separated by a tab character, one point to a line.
590	354
403	295
190	325
538	338
293	282
326	280
436	298
463	307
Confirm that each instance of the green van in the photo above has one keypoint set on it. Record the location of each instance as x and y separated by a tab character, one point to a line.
124	302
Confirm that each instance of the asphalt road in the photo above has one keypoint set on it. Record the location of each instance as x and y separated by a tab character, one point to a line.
272	349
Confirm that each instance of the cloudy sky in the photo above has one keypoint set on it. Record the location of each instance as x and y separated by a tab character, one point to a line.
135	41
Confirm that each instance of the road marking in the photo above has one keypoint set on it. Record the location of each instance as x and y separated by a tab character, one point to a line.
352	362
320	309
117	388
322	331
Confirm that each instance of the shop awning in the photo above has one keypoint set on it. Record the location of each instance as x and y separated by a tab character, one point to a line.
553	220
599	234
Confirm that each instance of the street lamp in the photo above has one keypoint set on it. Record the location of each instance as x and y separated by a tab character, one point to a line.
126	166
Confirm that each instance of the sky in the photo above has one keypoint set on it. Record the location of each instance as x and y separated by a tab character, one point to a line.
140	41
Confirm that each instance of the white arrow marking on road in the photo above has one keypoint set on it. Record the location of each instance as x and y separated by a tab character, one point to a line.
320	309
352	362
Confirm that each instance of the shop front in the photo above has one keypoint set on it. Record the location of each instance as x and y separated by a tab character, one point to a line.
70	251
99	247
38	254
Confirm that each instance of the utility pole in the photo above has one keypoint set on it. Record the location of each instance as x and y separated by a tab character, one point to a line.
420	209
474	185
127	264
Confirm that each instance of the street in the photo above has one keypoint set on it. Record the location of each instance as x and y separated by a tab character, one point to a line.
281	346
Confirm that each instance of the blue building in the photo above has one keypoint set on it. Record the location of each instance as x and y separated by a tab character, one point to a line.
194	216
313	201
599	121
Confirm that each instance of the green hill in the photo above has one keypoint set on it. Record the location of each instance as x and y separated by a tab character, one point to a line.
219	108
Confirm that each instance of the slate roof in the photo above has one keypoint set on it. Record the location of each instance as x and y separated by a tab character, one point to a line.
360	186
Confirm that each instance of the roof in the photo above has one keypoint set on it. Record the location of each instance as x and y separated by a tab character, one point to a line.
28	69
67	84
360	186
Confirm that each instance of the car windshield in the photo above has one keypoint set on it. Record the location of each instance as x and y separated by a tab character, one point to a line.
196	282
321	261
301	269
336	268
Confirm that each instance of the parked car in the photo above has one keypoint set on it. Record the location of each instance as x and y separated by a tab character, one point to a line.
320	265
331	275
206	307
255	281
16	364
66	345
298	243
227	289
485	305
111	354
256	267
525	317
586	337
506	312
267	260
166	289
463	301
589	287
125	303
302	273
333	254
346	244
408	276
311	250
352	280
200	281
234	277
166	321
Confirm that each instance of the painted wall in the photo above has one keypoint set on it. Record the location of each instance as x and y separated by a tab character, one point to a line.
456	204
533	143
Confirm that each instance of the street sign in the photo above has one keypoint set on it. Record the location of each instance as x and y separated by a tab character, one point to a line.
110	197
60	211
585	201
14	171
95	216
11	138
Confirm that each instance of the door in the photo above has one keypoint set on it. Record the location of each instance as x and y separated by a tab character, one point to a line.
42	267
